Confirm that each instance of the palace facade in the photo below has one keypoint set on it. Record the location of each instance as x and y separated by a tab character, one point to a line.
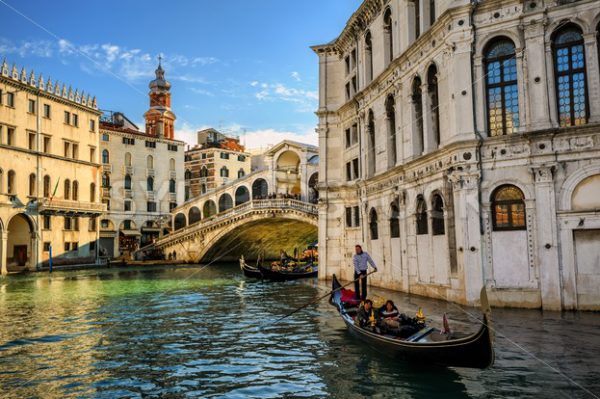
49	171
216	160
460	144
143	174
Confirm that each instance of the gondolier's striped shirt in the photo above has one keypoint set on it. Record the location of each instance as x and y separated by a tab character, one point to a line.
362	261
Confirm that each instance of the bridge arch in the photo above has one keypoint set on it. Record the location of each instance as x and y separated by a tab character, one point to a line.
242	195
179	222
260	188
194	215
225	202
209	209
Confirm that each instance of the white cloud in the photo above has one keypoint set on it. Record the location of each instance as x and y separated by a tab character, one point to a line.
202	92
296	76
37	48
305	100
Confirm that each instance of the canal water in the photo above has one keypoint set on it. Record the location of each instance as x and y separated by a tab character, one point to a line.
190	333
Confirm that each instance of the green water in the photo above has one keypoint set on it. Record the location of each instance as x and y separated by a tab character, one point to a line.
190	333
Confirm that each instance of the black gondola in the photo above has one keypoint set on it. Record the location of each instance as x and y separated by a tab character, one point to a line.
429	345
285	275
248	270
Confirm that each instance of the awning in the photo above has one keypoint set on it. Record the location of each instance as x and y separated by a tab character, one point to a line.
130	232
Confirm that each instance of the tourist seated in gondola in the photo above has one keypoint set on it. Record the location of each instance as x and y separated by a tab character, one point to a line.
389	315
366	317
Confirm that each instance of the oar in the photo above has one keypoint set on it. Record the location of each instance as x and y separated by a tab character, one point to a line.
320	298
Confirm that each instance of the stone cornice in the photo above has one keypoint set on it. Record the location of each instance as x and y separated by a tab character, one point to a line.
141	136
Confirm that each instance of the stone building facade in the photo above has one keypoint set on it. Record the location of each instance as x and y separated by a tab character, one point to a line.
460	144
216	160
143	175
49	171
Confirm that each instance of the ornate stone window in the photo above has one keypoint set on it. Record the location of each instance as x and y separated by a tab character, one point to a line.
502	93
67	189
32	189
508	208
172	186
75	193
105	157
368	57
388	36
417	100
150	183
373	224
570	76
394	221
127	184
390	110
105	180
46	186
371	150
434	104
437	215
421	216
93	192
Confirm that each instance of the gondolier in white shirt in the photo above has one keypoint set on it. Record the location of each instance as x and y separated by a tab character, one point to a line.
361	261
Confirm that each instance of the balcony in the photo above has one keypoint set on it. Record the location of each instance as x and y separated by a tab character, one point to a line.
128	193
106	168
172	197
56	207
128	170
173	174
105	191
150	172
151	195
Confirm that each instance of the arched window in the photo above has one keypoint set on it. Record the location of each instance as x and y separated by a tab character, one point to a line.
172	165
93	192
373	224
421	216
127	159
194	215
11	187
388	36
390	110
188	175
417	18
394	221
105	157
150	183
150	162
32	188
172	186
508	208
417	100
501	87
67	189
371	150
224	172
225	202
437	216
127	184
46	186
241	173
431	12
569	70
75	194
368	57
434	104
105	181
204	172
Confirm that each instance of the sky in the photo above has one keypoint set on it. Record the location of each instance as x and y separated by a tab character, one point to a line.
241	66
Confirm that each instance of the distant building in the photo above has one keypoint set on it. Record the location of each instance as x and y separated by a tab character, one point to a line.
460	144
49	171
216	160
143	174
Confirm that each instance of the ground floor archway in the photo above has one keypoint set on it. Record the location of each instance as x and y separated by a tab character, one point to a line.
21	243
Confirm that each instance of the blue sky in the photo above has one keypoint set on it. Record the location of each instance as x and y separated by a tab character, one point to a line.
241	65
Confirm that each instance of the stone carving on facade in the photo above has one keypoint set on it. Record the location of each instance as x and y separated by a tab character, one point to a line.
544	173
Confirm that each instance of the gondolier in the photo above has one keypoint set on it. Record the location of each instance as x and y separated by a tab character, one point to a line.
361	262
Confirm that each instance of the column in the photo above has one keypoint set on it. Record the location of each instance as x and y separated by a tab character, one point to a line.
593	81
3	253
547	237
428	142
468	237
399	125
536	76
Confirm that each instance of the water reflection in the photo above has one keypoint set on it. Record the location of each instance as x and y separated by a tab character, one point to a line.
184	333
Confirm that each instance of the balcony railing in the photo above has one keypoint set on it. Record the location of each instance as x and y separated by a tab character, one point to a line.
173	174
129	170
105	192
66	207
107	168
150	172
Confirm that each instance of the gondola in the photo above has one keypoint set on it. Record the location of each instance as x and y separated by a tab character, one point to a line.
429	345
274	275
248	270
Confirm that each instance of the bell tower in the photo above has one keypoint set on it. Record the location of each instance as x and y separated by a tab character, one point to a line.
160	121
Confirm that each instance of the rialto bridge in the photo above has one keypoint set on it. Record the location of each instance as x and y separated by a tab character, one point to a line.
270	209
